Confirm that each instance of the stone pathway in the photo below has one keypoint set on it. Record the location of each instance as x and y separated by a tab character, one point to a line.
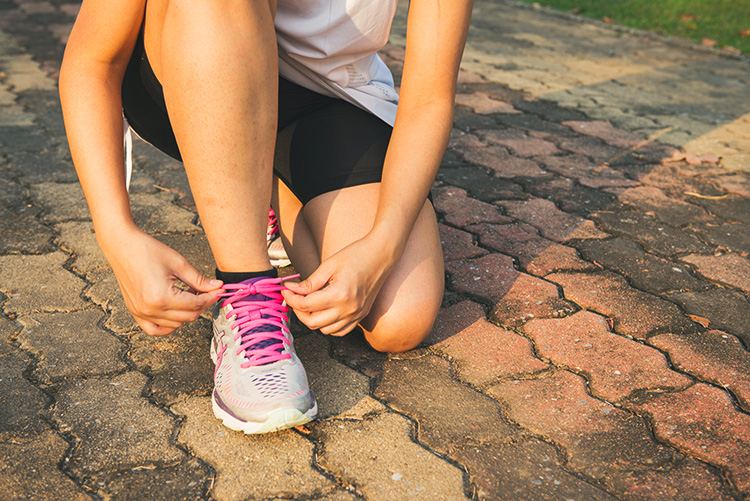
594	338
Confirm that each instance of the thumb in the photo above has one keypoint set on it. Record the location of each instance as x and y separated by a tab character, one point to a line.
314	282
195	280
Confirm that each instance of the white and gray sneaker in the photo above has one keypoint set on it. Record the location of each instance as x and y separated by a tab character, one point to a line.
260	385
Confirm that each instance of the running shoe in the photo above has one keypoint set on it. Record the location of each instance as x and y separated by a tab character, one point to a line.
260	385
276	252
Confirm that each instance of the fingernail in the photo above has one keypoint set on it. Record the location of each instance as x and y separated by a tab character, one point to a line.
215	282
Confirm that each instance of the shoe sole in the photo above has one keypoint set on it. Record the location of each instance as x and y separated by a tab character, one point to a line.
280	263
280	419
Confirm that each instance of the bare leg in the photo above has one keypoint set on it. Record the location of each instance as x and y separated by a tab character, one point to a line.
217	62
406	307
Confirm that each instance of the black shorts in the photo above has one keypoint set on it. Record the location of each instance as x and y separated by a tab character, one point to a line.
323	144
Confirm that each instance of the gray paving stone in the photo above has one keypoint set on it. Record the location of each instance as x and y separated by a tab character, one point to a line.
156	213
671	211
49	165
725	309
481	185
193	247
179	364
249	466
337	388
12	194
22	232
115	426
730	236
378	456
17	139
30	470
70	345
61	202
39	283
105	292
21	403
78	238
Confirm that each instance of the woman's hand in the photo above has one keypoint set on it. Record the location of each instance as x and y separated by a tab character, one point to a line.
146	271
340	293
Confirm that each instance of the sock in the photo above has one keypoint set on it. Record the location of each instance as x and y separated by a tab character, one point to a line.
232	277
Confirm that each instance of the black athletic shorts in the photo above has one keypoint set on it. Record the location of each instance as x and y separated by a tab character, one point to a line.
323	144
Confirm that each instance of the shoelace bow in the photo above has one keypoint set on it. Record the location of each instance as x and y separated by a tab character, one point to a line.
262	347
273	224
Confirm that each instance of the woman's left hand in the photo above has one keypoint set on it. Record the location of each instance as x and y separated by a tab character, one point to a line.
341	292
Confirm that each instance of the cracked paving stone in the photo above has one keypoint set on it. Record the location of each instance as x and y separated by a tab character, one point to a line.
481	185
712	356
12	194
524	470
524	146
337	388
70	345
615	366
47	166
732	208
725	309
458	244
587	173
729	269
183	481
157	213
78	237
703	421
591	147
378	456
655	237
604	131
40	478
453	319
115	426
517	296
653	201
22	232
545	216
460	210
502	163
241	460
21	403
675	182
105	292
633	312
600	441
484	352
34	283
731	236
646	272
445	409
179	364
557	258
61	202
569	196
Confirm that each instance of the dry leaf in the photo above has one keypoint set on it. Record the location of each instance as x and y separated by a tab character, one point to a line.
709	43
710	159
576	10
692	159
302	429
607	20
731	49
744	33
611	323
701	320
705	197
687	17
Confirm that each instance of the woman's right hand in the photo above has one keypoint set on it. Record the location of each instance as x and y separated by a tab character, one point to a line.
146	271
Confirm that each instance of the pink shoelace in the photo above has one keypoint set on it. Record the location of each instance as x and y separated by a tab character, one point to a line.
273	224
260	347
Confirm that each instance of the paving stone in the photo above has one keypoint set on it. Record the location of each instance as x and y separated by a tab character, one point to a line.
655	236
545	216
241	460
519	240
337	388
21	403
671	211
22	232
702	421
61	202
730	236
70	345
12	194
569	196
187	480
675	182
644	271
482	353
464	118
634	313
40	478
483	104
524	470
728	268
590	147
460	140
713	356
737	183
459	210
193	247
156	213
731	208
445	409
588	173
525	146
78	238
533	123
458	244
105	292
604	131
45	167
614	366
34	283
557	258
378	456
454	319
600	441
502	163
179	364
115	426
725	309
17	139
550	111
481	185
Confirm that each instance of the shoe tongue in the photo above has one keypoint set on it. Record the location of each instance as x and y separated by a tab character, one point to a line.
266	327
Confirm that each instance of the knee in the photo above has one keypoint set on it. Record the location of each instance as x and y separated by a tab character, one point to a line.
395	333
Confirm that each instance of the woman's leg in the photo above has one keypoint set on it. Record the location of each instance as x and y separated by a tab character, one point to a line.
217	63
406	307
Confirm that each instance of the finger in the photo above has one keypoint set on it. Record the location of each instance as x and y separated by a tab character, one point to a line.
314	282
340	328
152	329
195	280
319	319
181	300
316	301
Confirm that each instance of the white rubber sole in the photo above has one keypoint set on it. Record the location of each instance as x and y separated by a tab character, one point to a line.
279	420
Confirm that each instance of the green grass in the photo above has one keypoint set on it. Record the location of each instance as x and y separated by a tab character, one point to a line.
719	20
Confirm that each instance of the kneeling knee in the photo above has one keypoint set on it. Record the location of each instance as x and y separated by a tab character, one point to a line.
394	335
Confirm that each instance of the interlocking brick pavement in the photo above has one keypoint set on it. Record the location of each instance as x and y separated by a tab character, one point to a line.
593	340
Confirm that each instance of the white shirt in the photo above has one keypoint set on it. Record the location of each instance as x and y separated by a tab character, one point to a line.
330	46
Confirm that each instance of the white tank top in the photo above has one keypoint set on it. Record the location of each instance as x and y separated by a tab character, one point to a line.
330	46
